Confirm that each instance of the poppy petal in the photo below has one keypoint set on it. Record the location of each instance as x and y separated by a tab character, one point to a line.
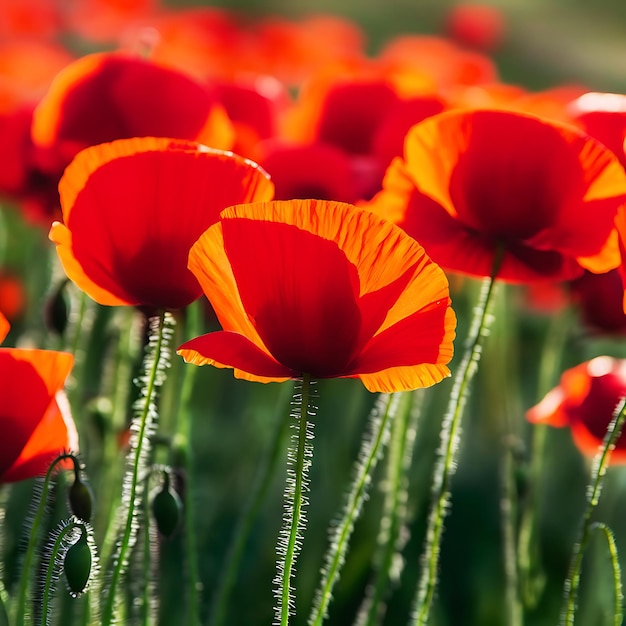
403	378
307	313
105	96
133	208
321	287
420	340
228	349
29	380
56	433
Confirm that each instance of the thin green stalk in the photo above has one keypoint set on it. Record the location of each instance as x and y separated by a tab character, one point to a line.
241	534
508	511
290	538
124	355
372	446
393	532
450	435
531	577
20	612
598	473
618	594
155	362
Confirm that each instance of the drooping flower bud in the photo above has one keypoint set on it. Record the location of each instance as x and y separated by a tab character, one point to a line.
166	507
77	565
81	499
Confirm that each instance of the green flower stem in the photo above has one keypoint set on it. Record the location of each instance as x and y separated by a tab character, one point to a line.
450	434
391	538
242	532
28	565
618	595
299	461
185	432
145	423
531	577
508	512
594	490
126	351
372	447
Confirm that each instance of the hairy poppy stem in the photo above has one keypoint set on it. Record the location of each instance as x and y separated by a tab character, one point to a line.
144	425
372	447
27	567
393	532
450	435
257	497
598	473
290	539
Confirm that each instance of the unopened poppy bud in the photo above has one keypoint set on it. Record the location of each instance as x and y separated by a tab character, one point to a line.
77	565
166	508
57	310
81	499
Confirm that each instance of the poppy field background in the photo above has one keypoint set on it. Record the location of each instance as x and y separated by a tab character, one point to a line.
238	427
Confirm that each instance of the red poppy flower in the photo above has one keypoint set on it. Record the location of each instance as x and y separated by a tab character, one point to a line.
107	96
321	288
585	400
473	182
37	425
477	26
133	208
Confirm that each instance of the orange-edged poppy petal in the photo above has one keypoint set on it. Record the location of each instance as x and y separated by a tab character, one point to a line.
56	433
133	208
4	327
546	192
314	285
106	96
29	381
307	313
228	349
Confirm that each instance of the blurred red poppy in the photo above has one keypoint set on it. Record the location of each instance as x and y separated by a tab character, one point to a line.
106	96
477	26
132	209
473	182
318	171
585	401
321	288
37	425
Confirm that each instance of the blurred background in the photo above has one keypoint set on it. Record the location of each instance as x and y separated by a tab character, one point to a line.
542	44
